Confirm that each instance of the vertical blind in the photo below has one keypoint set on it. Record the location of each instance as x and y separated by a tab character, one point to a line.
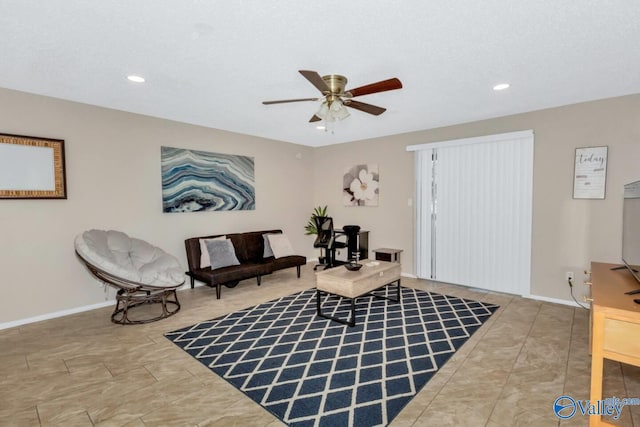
473	210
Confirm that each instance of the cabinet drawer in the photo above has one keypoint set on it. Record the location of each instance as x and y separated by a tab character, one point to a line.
622	337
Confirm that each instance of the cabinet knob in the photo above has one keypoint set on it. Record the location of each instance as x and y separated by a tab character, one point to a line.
587	272
587	299
587	283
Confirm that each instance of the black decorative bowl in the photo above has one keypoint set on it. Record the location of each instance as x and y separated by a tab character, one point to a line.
353	266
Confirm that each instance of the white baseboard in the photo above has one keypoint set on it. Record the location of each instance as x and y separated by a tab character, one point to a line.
53	315
554	300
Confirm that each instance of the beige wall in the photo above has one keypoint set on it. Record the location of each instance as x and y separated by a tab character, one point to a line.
113	174
390	224
113	181
567	233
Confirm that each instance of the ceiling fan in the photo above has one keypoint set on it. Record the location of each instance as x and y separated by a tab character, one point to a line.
335	98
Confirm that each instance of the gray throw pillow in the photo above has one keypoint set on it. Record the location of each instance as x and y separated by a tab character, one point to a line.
221	253
204	253
268	252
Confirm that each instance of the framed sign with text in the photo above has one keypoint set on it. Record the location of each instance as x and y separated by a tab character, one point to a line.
590	173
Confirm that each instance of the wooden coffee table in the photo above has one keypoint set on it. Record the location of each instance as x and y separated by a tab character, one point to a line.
353	284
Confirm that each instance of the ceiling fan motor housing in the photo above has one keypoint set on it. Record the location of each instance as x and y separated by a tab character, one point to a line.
336	84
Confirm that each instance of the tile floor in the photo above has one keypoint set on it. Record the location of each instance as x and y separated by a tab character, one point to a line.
82	370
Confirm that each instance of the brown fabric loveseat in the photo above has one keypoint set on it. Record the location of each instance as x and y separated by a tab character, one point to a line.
249	249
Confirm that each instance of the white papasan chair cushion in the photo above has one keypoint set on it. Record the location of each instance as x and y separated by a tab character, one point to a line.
128	258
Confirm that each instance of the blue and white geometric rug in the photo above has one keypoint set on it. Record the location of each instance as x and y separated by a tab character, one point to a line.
311	371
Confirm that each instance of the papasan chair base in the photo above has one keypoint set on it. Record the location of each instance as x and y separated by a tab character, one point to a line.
132	293
127	299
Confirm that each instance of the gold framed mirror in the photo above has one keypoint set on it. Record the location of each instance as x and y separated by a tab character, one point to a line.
32	168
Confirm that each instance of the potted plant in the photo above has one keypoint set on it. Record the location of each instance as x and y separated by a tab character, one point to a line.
310	228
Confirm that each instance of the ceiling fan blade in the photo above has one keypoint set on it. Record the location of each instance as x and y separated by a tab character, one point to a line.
282	101
314	118
315	80
367	108
383	86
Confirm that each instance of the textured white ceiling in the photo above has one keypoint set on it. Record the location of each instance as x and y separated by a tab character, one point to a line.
211	63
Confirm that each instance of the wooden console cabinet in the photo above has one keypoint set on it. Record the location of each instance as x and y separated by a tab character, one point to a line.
615	325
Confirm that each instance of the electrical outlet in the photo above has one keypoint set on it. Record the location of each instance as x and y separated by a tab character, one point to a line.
568	275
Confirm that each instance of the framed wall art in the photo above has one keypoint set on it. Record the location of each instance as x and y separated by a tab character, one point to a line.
360	185
32	168
590	173
195	181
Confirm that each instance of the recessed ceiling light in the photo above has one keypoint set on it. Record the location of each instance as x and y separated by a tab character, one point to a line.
501	86
320	127
135	79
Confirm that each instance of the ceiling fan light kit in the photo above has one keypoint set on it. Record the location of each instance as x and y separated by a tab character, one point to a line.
335	100
331	111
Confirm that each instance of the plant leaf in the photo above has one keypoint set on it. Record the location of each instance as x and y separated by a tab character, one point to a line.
310	228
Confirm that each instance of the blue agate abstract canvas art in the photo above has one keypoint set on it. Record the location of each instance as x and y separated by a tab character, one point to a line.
201	181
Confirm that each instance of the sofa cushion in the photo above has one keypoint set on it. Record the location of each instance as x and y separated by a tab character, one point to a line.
232	273
129	258
221	253
286	262
254	246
